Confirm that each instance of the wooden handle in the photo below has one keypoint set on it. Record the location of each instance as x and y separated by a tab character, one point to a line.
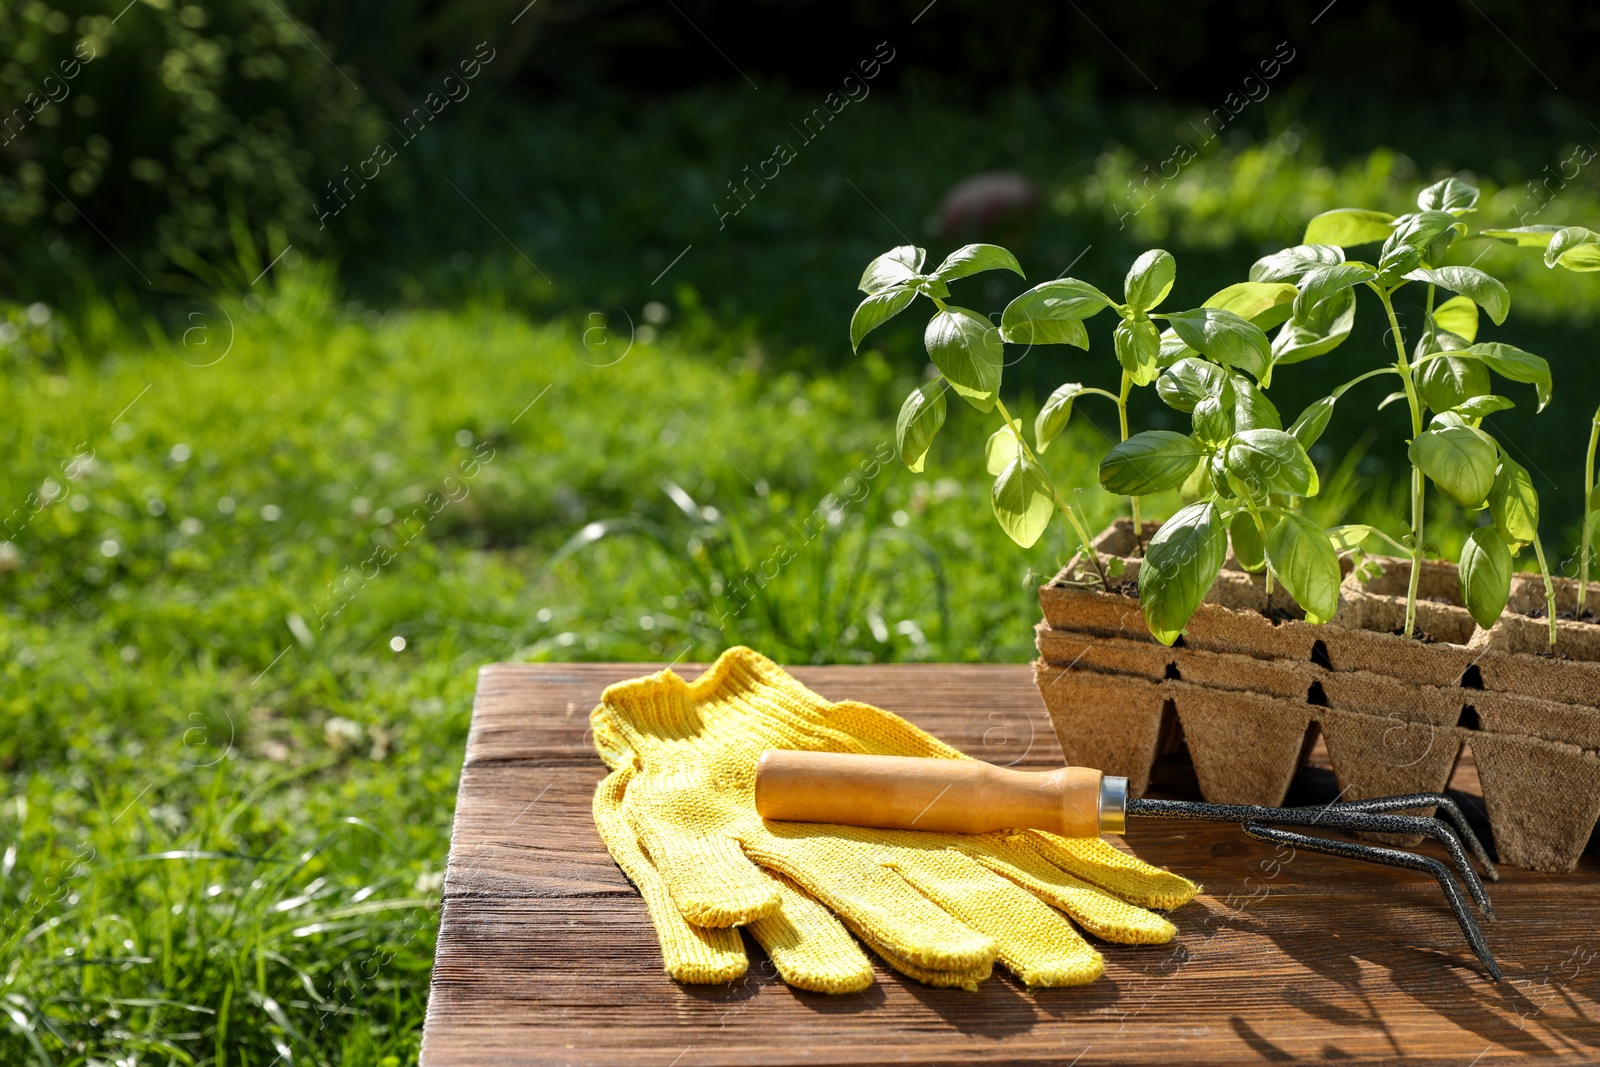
951	795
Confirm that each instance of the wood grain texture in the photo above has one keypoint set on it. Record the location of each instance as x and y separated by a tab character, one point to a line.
546	955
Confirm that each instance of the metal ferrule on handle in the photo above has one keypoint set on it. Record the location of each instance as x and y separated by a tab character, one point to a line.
949	795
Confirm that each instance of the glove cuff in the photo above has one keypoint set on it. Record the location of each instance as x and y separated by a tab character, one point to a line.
772	709
664	704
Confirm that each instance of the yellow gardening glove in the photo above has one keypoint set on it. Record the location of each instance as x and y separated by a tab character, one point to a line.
678	814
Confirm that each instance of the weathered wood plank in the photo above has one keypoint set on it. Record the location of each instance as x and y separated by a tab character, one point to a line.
546	954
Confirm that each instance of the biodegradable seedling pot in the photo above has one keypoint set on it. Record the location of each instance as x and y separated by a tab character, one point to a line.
1525	625
1249	685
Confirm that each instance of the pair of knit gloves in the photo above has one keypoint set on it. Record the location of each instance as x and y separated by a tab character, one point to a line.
677	813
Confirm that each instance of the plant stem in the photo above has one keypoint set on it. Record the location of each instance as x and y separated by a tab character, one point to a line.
1261	528
1076	520
1122	420
1549	589
1358	379
1083	535
1588	494
1417	484
1427	318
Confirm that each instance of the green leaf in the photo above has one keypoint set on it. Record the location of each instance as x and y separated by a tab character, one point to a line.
895	267
1514	504
1195	487
1325	327
1312	421
1180	565
1271	461
1422	228
1172	349
1480	407
1320	283
1305	562
1225	337
1413	236
1189	381
1150	279
1149	462
1055	414
920	418
1485	575
1394	397
1458	316
1348	538
1245	538
1251	408
876	310
1213	421
1459	459
1138	343
1574	248
1451	194
967	349
1263	303
1049	313
973	259
1487	291
1023	499
1048	332
1523	236
1444	382
1511	362
1348	226
1216	466
1287	265
1003	447
1439	341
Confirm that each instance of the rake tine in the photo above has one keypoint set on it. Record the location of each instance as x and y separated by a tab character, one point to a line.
1331	817
1446	806
1427	827
1391	857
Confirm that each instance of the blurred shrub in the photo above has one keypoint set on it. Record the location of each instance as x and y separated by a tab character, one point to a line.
145	124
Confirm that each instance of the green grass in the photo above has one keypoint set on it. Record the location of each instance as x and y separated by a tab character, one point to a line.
228	796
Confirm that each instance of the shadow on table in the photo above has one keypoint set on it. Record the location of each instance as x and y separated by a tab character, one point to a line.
1537	1001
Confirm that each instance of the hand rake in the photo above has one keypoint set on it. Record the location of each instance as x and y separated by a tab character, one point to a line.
971	796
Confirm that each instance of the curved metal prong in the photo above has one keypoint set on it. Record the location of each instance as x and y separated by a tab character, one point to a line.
1334	817
1425	800
1391	857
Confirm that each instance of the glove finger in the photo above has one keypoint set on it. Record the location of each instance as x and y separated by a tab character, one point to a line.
708	876
1034	941
1097	911
809	946
967	980
1098	862
692	954
813	950
842	868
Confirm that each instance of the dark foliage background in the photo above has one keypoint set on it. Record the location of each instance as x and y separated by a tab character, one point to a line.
185	105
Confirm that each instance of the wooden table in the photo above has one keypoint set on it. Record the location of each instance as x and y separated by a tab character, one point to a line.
546	955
